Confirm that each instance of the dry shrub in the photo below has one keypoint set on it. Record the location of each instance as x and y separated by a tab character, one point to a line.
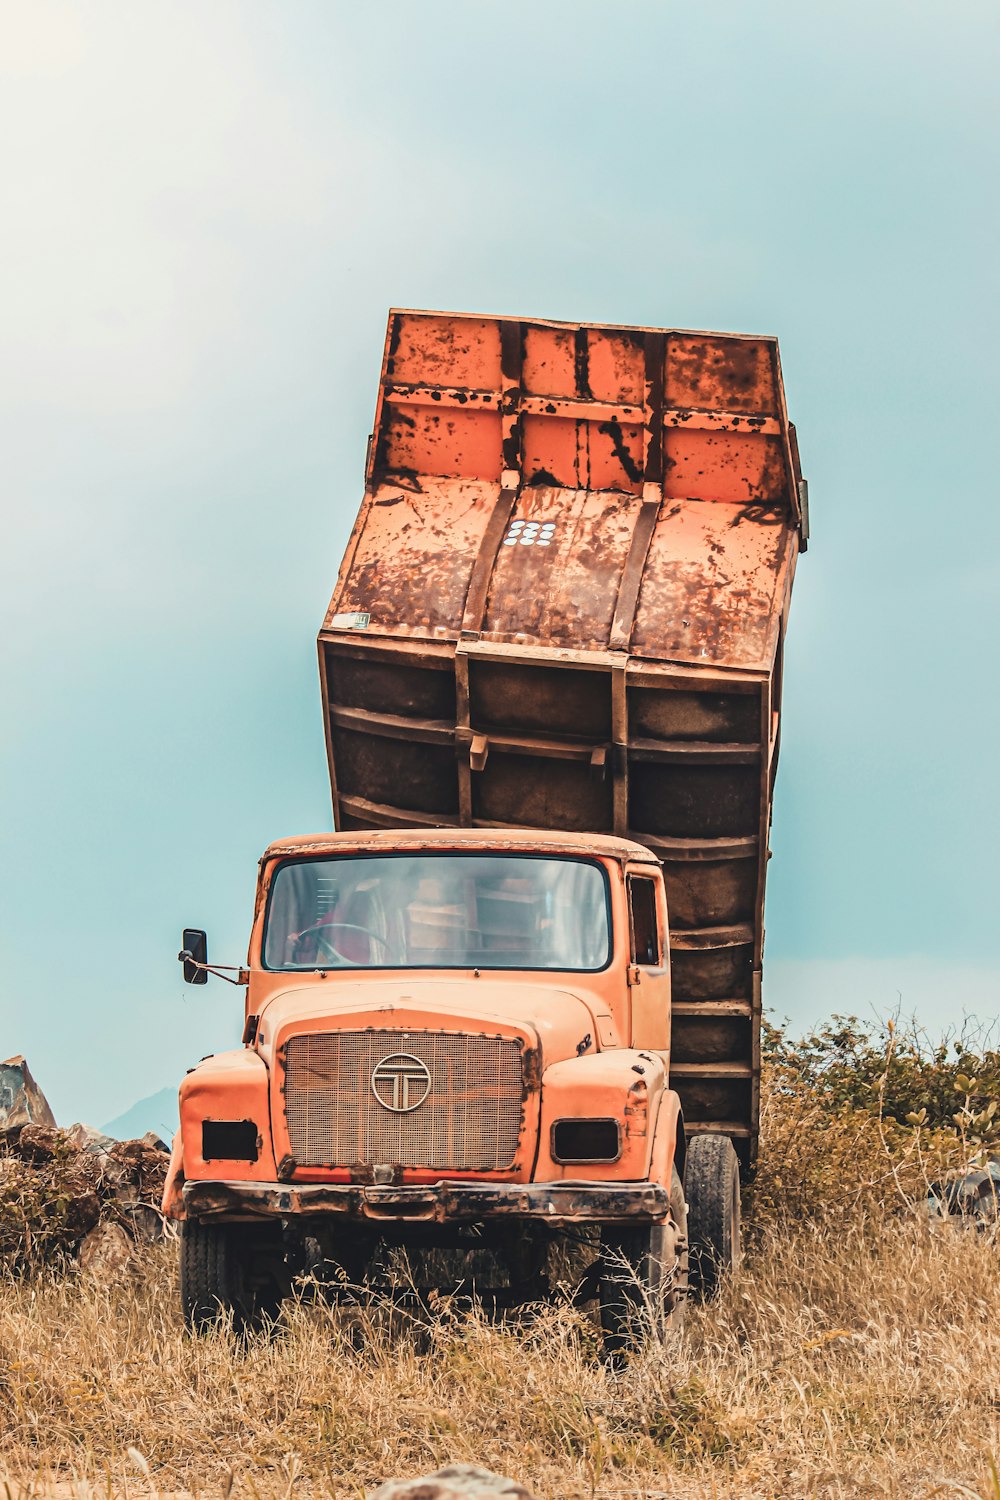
45	1208
858	1121
52	1193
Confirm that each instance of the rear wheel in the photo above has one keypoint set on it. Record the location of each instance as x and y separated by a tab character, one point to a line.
234	1269
643	1276
712	1182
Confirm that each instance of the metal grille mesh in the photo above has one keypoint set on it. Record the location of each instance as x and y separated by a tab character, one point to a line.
470	1119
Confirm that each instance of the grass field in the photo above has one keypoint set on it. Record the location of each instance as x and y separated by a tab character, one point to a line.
857	1353
848	1361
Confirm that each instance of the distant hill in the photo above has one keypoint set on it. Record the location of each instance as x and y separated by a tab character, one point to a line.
157	1113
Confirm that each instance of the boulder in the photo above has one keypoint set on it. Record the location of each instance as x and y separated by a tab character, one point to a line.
105	1251
21	1100
972	1197
86	1138
83	1212
145	1223
42	1143
453	1482
69	1191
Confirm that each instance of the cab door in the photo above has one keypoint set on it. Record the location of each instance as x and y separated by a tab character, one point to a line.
649	965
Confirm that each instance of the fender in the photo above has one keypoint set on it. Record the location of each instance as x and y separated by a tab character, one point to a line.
623	1084
669	1141
229	1091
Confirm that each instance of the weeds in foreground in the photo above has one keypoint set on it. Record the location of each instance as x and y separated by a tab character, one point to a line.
856	1354
837	1363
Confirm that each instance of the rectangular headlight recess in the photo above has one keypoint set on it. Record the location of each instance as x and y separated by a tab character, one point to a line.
586	1141
229	1140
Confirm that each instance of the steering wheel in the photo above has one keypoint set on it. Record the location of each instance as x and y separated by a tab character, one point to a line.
335	953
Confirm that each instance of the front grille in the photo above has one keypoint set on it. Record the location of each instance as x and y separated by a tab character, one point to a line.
469	1120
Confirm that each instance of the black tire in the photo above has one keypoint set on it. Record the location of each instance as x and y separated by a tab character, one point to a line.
643	1276
230	1269
712	1186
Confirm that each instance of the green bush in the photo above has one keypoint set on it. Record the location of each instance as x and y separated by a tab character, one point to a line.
859	1119
893	1070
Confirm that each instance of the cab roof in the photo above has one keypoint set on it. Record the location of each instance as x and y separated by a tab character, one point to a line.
485	840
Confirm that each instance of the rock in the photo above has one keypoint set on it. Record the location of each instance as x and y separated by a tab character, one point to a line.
106	1251
149	1149
43	1143
125	1196
86	1138
89	1170
145	1222
114	1173
453	1482
21	1100
970	1196
76	1190
83	1212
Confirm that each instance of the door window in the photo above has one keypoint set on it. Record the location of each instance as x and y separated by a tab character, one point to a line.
642	920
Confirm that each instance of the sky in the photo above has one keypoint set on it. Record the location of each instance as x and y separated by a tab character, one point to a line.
206	212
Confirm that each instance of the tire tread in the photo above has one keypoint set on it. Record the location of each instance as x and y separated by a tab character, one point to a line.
711	1180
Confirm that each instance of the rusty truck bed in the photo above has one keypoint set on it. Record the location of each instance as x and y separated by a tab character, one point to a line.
562	606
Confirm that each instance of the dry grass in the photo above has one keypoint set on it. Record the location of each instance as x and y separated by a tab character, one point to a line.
863	1360
856	1354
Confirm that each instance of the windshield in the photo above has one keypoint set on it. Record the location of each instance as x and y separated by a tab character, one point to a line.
438	911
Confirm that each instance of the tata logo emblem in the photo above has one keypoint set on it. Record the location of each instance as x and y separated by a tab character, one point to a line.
401	1082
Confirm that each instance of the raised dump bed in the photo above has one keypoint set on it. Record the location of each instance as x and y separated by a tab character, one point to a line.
562	606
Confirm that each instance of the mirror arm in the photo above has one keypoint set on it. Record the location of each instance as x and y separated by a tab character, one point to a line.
242	975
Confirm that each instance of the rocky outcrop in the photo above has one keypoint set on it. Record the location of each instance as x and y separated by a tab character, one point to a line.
454	1482
21	1100
70	1192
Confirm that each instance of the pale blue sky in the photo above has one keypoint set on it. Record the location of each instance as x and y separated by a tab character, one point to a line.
206	211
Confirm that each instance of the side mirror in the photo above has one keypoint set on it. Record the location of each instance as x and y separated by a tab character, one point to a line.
194	951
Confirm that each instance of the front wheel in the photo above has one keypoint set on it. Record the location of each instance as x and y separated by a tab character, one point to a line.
643	1276
234	1269
712	1182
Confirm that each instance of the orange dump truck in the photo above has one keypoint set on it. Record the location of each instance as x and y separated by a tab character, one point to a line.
518	991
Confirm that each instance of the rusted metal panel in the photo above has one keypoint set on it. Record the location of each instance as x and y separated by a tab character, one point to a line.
560	425
518	840
711	588
554	1203
562	606
410	570
557	574
707	371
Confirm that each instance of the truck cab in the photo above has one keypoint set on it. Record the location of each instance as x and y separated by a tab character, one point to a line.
448	1033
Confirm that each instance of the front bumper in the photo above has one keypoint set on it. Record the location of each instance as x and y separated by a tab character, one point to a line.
442	1203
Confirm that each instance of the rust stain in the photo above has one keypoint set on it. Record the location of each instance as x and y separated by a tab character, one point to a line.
554	1203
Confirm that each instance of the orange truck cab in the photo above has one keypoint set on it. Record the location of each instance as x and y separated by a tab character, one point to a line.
551	679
